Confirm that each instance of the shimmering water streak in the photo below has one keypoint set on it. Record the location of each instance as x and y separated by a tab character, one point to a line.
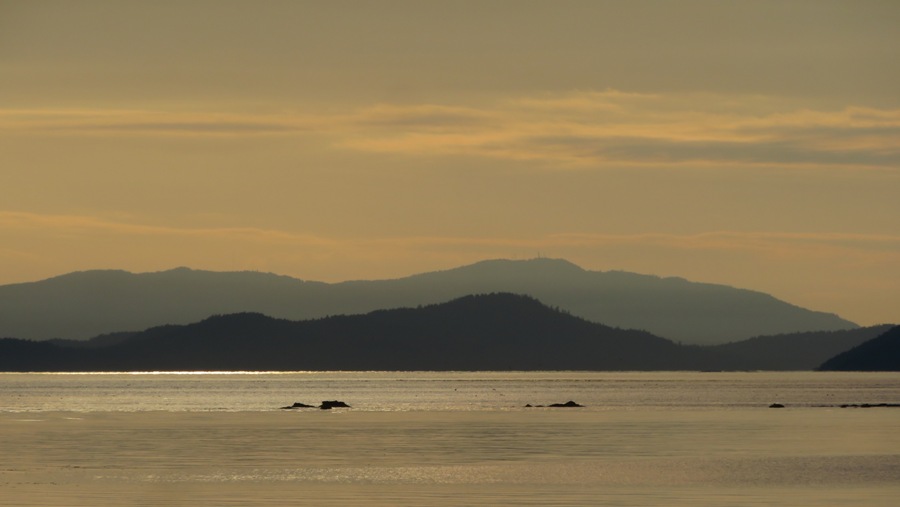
445	391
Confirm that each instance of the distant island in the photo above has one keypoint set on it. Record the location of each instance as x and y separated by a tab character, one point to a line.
499	331
86	304
878	354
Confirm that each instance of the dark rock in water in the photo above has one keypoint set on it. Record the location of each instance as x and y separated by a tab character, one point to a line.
298	405
776	405
567	404
869	405
328	405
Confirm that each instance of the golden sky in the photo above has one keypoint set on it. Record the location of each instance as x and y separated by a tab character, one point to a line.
754	144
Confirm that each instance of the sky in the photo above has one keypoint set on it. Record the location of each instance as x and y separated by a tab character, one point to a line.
753	144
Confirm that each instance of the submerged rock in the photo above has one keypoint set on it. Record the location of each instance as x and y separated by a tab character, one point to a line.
869	405
567	404
328	405
297	405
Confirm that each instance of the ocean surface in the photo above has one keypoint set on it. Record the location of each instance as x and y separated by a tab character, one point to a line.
449	438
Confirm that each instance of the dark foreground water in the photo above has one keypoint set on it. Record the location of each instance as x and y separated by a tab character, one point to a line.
449	439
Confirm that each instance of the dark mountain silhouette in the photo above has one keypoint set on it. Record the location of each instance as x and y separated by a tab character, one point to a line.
488	332
84	304
795	351
878	354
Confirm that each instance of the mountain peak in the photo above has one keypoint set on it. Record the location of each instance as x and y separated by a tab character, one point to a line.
542	267
540	262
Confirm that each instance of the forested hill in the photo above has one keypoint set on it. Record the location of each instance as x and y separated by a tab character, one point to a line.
794	351
485	332
881	353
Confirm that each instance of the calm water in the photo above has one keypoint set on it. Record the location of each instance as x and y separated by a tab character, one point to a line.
427	391
449	439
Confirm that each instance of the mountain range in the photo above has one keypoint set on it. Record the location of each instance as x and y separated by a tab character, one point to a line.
483	332
85	304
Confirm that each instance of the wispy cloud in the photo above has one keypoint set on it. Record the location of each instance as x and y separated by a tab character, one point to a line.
111	122
75	226
574	130
614	128
423	117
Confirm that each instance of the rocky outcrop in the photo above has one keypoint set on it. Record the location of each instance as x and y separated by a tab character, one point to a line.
328	405
297	405
568	404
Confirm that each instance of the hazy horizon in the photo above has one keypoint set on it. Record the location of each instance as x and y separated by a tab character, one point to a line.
755	145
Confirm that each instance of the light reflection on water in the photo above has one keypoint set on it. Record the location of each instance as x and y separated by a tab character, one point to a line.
449	439
453	391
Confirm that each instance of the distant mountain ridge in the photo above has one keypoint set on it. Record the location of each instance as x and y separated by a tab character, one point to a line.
85	304
484	332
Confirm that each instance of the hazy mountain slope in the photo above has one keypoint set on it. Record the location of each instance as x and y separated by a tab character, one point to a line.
673	308
878	354
490	332
85	304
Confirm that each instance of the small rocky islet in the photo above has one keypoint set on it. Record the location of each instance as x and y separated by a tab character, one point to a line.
568	404
325	405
